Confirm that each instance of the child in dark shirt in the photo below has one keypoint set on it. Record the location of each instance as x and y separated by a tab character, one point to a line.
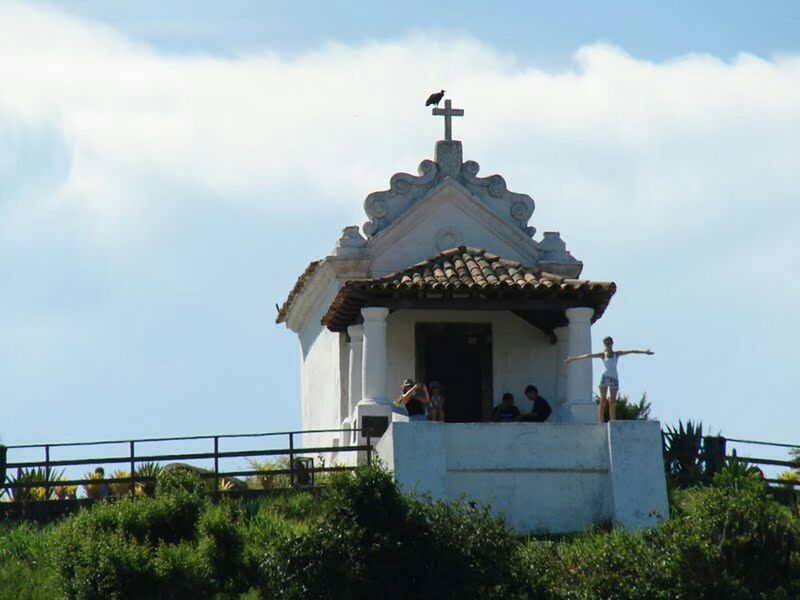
505	411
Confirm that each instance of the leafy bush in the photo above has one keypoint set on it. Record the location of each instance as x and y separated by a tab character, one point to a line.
179	482
221	545
370	537
137	547
628	410
727	540
735	543
24	563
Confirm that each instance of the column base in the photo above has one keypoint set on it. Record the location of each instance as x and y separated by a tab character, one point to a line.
578	412
379	416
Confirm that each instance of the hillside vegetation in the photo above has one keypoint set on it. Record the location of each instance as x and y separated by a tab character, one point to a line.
365	539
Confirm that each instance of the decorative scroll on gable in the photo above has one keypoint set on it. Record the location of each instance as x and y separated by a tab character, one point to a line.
405	190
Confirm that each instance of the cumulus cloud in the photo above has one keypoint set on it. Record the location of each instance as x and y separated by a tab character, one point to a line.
678	170
656	140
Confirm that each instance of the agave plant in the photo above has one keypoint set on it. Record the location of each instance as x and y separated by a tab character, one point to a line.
64	492
148	470
267	479
120	488
22	485
683	453
737	473
98	488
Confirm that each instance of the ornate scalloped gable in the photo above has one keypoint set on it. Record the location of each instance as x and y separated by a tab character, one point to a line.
408	215
385	207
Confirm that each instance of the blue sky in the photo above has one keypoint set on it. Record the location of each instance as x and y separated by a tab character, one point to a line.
168	169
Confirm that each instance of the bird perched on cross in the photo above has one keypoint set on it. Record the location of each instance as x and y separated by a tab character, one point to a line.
435	98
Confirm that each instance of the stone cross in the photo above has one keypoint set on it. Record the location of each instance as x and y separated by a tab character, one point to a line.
448	112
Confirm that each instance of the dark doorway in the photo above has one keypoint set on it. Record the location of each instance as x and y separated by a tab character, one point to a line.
459	355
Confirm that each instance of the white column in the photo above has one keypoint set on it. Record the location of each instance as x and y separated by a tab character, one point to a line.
373	380
562	339
354	355
373	371
580	403
355	376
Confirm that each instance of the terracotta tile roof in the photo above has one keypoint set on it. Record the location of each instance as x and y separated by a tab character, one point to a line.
466	272
299	285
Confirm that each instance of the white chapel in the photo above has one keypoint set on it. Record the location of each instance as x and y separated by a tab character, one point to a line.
446	281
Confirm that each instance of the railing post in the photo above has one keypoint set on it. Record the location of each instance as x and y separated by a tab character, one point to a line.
369	450
47	472
216	463
133	468
291	459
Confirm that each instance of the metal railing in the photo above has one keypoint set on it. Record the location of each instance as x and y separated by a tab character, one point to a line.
773	462
710	453
299	469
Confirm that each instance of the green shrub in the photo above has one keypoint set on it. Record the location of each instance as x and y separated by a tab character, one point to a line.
369	536
25	570
179	481
734	543
470	543
221	545
181	572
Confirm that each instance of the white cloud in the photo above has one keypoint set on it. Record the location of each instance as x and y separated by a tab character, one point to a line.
677	169
686	139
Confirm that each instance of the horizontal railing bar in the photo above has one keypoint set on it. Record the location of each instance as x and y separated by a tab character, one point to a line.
185	456
765	461
762	443
184	438
787	482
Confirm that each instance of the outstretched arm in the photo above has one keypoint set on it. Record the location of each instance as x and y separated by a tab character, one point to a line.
405	397
583	356
624	352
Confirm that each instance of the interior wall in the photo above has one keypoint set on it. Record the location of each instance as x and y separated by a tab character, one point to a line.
521	353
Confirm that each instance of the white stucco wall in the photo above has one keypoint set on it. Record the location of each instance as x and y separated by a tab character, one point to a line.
321	381
521	353
542	477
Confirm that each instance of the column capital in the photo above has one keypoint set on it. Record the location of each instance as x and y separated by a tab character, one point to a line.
580	314
356	333
374	313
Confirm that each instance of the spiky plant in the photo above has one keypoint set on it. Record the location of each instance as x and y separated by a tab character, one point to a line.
267	479
120	488
737	473
683	453
22	485
62	491
94	490
149	470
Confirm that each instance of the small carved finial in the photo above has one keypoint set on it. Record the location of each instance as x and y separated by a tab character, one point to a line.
352	243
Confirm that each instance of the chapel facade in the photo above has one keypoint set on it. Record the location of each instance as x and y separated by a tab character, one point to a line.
447	281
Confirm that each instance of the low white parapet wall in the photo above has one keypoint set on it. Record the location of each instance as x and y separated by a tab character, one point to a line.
542	477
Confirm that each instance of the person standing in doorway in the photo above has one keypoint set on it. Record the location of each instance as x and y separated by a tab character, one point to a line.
609	381
414	397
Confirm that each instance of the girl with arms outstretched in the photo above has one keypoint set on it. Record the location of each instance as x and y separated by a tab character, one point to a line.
609	382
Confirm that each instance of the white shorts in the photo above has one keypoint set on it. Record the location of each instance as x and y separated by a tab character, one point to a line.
609	381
